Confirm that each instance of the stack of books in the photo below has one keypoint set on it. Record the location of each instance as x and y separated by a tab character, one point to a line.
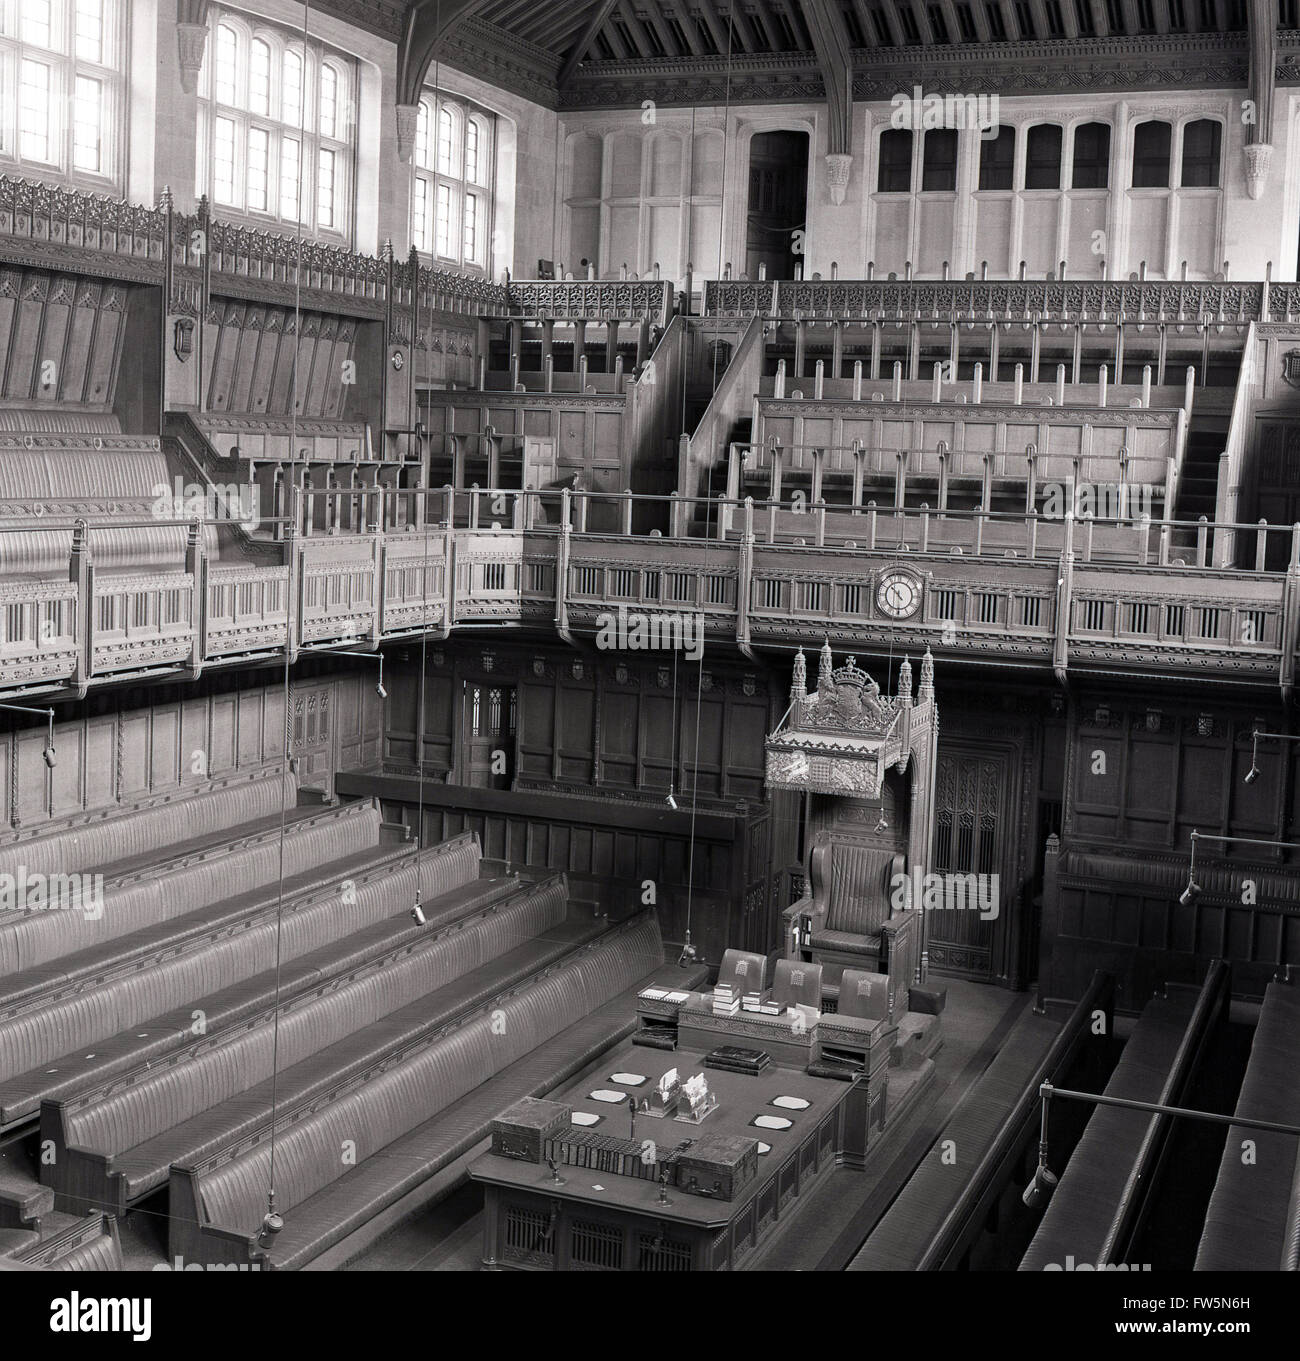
732	1059
726	1001
761	1006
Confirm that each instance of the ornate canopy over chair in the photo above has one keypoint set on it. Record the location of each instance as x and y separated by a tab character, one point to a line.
867	760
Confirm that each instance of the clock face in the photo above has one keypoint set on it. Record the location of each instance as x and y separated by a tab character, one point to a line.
898	595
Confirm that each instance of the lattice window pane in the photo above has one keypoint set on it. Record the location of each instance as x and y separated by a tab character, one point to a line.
227	64
291	88
442	216
38	22
34	124
259	77
325	189
258	153
329	101
88	125
290	178
89	25
223	161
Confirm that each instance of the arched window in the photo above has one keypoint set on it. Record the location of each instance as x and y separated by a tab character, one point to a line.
329	100
1091	156
62	89
894	173
291	87
472	174
227	64
1151	142
276	134
1201	154
939	168
1043	157
259	77
452	202
998	159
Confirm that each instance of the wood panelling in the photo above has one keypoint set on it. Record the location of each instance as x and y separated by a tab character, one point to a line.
1142	775
140	744
1145	774
259	361
61	338
585	724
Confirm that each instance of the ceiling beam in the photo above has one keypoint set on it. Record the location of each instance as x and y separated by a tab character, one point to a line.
654	19
688	31
955	34
717	27
835	57
758	19
893	23
429	23
921	14
799	26
644	51
595	23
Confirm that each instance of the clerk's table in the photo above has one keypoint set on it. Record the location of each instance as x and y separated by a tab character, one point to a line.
628	1197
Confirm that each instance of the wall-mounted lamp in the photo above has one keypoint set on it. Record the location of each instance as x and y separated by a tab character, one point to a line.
48	753
1253	773
370	656
1193	890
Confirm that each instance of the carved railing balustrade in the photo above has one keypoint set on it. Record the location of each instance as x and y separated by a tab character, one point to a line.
1071	600
1144	301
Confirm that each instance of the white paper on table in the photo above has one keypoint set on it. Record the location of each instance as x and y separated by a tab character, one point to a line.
583	1118
606	1095
773	1122
791	1103
628	1079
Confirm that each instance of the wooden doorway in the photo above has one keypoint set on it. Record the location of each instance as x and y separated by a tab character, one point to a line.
973	835
489	722
778	203
313	742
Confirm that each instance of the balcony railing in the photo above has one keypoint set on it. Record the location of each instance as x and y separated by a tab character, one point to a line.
1063	600
1072	300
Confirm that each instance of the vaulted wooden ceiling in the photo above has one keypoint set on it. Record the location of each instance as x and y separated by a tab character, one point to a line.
587	53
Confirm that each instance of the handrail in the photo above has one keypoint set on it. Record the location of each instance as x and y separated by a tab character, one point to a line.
954	1233
697	451
1232	460
1142	301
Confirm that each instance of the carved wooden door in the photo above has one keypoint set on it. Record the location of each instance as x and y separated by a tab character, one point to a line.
489	727
313	739
971	827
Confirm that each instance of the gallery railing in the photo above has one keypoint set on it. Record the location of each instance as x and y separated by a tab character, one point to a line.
1145	301
1074	595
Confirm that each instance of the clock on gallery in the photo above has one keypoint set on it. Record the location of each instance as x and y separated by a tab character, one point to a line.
898	594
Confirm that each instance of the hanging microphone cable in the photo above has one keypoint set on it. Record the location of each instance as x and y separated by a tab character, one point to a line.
273	1222
688	955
